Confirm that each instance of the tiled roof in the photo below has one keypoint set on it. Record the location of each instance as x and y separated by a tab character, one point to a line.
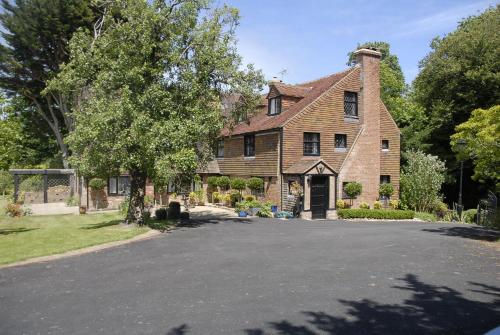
292	90
311	90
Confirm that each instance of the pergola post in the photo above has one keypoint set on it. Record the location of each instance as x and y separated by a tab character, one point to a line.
16	187
45	187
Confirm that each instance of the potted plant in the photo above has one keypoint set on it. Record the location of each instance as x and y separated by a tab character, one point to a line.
241	208
83	210
253	207
97	186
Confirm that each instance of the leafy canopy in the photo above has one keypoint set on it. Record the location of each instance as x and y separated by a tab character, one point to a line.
150	81
482	143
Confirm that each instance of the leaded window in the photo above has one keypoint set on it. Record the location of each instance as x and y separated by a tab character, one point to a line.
351	104
340	141
220	148
249	150
385	179
385	145
274	107
311	144
119	185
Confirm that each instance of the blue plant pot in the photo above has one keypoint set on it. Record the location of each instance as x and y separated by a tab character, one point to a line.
242	214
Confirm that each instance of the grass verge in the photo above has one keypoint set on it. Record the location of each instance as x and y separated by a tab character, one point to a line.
34	236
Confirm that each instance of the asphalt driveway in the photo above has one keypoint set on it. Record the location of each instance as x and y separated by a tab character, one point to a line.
266	277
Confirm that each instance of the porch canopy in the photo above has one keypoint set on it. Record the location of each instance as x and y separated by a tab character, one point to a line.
311	167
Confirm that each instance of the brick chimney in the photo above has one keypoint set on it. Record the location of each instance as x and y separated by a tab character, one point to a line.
365	155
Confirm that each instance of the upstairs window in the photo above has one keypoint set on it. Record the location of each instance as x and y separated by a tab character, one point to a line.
220	149
274	107
351	104
311	144
340	141
249	150
119	185
385	145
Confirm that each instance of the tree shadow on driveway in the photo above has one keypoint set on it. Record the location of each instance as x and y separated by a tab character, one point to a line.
430	310
474	233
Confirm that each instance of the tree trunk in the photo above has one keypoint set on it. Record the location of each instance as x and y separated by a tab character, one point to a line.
136	203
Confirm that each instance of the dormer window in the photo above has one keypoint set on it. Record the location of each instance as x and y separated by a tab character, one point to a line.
274	106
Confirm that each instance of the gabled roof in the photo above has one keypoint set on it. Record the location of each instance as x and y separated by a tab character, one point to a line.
305	165
291	90
310	91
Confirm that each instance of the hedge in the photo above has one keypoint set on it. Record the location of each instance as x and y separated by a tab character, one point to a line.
375	214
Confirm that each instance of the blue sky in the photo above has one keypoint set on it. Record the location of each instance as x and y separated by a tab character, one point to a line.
311	39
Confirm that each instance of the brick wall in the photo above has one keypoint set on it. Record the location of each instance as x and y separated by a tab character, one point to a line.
389	160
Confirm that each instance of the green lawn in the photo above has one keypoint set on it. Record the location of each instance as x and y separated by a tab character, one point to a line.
33	236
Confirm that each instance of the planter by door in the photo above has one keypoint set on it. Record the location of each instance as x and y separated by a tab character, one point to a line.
319	196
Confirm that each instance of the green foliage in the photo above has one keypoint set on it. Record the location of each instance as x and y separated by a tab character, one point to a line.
265	211
213	181
97	184
234	197
353	189
161	224
424	216
32	184
395	204
238	184
241	206
364	205
123	206
469	215
161	214
216	197
223	182
375	214
421	181
377	205
458	76
482	144
386	190
193	198
35	43
152	87
72	201
340	204
6	182
255	183
249	198
14	210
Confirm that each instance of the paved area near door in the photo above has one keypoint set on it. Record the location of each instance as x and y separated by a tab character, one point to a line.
254	277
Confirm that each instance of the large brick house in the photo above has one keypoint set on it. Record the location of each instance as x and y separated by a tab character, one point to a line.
323	134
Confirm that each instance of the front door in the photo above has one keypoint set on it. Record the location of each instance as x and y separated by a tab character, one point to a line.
319	196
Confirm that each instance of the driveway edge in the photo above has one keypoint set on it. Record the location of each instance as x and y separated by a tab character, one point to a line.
147	235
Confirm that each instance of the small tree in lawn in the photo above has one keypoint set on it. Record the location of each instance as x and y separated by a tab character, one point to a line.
255	184
385	191
238	184
353	189
146	87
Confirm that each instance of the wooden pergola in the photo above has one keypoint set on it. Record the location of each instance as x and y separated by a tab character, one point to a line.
45	173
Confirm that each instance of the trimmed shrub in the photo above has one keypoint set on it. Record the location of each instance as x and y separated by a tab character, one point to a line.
364	205
234	197
223	182
386	190
174	210
353	189
424	216
97	184
375	214
238	184
394	204
213	181
340	204
377	205
161	214
216	197
255	184
193	198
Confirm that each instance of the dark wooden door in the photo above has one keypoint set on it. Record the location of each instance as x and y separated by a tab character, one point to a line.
319	197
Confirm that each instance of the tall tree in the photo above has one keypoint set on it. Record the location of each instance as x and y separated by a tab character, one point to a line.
459	75
480	137
35	36
149	84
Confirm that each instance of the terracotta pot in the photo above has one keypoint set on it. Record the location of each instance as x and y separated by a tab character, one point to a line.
83	210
